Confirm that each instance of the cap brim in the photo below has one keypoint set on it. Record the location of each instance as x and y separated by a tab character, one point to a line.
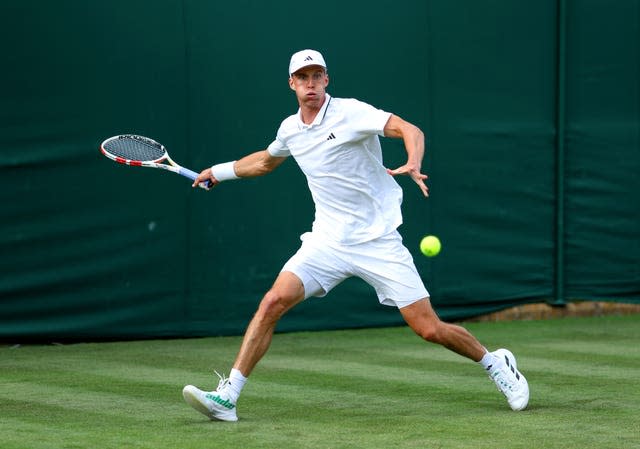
297	69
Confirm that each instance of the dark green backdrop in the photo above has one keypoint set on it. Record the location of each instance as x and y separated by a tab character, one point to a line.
531	111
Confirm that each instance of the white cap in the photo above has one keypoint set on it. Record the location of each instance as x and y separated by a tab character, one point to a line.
305	58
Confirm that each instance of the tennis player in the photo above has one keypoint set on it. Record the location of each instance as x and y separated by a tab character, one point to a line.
335	142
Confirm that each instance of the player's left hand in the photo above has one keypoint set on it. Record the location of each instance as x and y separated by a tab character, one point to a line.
418	178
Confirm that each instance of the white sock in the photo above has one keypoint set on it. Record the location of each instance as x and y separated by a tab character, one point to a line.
488	360
236	382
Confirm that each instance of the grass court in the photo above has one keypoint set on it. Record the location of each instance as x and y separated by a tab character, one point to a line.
373	388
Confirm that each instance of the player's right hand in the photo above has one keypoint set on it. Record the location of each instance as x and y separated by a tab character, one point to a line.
205	178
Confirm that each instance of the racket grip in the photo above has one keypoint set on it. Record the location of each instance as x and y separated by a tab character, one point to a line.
193	175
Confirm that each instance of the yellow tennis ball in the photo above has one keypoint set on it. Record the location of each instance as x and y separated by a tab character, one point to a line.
430	245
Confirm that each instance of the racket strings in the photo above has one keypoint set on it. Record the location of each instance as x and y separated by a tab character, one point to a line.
135	149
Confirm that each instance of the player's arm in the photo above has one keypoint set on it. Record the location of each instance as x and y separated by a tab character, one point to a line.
414	143
255	164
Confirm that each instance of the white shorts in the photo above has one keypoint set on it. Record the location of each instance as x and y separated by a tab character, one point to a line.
384	263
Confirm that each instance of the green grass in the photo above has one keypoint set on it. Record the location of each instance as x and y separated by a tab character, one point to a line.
377	388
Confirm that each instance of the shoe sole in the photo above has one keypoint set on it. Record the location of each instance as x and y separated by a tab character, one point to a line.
191	397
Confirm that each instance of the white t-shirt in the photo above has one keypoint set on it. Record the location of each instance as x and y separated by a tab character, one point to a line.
356	200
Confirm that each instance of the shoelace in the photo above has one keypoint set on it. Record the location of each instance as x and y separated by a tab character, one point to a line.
223	381
501	382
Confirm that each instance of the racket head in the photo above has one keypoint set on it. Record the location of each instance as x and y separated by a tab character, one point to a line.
131	149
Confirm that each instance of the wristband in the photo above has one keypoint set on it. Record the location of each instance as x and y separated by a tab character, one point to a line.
224	172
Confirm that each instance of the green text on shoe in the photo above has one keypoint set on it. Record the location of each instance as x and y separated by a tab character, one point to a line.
223	402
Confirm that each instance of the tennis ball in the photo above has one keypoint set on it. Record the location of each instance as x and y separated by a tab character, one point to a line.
430	245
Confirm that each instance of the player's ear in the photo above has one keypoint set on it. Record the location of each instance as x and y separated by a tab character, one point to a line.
291	85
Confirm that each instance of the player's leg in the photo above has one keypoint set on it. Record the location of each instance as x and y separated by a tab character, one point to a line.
312	271
286	292
220	404
500	365
424	321
388	266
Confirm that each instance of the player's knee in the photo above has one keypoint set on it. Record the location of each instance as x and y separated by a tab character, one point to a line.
429	332
272	306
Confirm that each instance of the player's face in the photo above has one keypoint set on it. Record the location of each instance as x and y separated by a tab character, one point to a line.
310	83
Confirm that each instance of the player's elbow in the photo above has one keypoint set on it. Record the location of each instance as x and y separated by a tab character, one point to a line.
399	128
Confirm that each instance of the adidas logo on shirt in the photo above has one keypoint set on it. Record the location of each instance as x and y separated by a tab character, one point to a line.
331	136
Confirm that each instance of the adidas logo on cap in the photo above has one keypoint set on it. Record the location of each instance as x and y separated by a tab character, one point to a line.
304	58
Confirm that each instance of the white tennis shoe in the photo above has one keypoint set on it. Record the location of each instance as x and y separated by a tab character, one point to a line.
215	405
509	380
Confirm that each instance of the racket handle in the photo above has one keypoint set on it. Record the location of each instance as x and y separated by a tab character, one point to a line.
193	175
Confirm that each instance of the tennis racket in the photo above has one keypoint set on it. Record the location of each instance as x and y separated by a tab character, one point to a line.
139	151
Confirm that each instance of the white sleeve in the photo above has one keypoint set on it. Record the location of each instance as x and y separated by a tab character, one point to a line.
366	118
278	149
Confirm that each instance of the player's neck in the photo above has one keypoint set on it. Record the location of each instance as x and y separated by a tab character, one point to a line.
309	109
